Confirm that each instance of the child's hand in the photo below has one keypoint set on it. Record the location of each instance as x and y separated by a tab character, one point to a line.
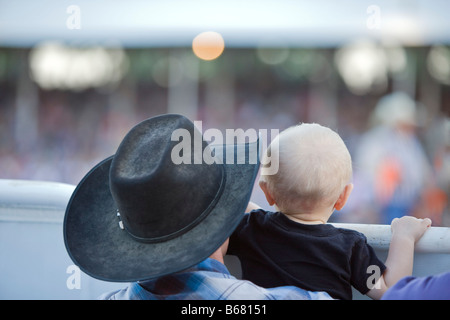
410	227
406	231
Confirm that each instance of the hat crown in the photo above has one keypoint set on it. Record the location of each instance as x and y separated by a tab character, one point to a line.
158	199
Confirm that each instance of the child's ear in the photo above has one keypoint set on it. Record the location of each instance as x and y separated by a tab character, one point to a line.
343	197
263	186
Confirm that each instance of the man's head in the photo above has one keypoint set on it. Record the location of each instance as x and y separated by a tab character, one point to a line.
138	215
314	168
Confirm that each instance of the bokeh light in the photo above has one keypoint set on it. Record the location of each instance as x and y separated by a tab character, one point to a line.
363	66
438	63
273	56
208	45
57	66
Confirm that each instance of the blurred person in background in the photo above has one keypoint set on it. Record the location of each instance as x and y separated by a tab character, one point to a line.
395	175
438	140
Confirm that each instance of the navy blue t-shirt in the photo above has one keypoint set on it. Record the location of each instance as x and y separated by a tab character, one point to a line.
276	251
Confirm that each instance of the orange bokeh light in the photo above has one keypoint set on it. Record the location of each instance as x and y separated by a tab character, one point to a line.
208	45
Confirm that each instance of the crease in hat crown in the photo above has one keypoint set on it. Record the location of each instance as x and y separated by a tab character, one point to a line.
157	199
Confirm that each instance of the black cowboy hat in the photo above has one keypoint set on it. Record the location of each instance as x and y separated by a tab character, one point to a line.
138	215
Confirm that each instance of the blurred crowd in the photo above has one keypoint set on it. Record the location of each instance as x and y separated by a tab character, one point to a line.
394	173
401	157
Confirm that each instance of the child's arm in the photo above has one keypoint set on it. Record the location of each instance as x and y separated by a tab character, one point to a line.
399	263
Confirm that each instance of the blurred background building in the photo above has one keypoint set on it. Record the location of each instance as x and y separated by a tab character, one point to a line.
75	76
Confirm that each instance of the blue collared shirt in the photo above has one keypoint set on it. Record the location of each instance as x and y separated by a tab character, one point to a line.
209	280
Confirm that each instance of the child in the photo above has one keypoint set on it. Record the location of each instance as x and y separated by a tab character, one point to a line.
296	246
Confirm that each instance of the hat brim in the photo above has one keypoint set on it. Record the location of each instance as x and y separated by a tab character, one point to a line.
103	250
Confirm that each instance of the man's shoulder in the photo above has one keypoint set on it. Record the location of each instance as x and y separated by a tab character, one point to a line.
132	291
218	288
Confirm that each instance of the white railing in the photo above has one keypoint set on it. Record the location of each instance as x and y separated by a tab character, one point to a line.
435	239
34	263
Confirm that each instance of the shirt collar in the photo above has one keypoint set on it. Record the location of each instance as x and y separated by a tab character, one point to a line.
209	264
184	284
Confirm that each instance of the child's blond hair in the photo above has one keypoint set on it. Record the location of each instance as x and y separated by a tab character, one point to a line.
314	167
